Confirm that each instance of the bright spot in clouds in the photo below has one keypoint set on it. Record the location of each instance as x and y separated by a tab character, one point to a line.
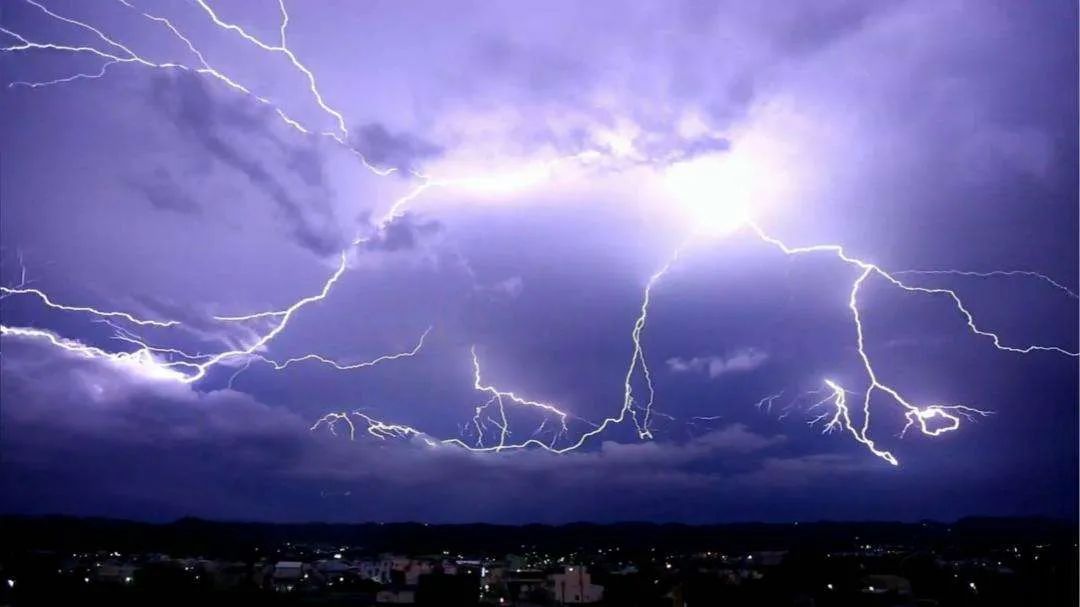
718	193
715	192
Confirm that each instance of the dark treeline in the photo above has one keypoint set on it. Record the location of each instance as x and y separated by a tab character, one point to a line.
191	536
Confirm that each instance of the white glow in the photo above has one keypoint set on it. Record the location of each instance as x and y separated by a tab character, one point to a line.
717	193
491	182
763	171
500	183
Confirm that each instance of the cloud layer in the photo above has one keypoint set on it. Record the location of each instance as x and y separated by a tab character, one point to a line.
919	134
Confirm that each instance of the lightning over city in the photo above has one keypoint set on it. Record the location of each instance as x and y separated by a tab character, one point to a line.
690	251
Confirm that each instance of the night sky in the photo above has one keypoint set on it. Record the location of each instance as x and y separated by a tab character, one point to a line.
548	159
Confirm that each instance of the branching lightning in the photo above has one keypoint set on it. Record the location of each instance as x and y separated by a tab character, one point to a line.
638	366
994	274
7	291
191	368
766	403
497	410
915	415
340	366
499	399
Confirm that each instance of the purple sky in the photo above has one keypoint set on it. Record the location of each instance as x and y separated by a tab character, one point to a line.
919	135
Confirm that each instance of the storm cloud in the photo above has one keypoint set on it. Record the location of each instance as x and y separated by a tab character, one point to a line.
916	135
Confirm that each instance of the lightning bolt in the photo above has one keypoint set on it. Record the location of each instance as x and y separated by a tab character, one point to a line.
842	417
340	366
638	366
284	50
919	416
869	268
179	365
498	398
708	418
766	403
994	274
285	316
378	429
922	417
41	295
142	360
197	365
119	53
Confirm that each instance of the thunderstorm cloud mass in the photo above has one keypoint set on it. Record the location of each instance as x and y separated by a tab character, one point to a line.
689	261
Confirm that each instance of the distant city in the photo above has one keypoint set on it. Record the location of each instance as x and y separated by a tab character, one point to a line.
57	561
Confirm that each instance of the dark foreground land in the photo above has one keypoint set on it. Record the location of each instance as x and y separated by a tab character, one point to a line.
976	561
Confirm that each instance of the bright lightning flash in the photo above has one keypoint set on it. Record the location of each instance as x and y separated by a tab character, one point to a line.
715	194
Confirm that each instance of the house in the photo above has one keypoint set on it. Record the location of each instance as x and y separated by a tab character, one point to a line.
377	570
525	584
574	586
287	575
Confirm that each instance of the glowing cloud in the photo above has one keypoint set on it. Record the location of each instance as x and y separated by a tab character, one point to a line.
715	366
715	194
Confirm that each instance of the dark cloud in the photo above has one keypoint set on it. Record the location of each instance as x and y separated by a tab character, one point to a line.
163	193
402	151
900	143
803	470
139	440
143	443
306	162
542	70
216	124
405	232
698	146
665	147
805	31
